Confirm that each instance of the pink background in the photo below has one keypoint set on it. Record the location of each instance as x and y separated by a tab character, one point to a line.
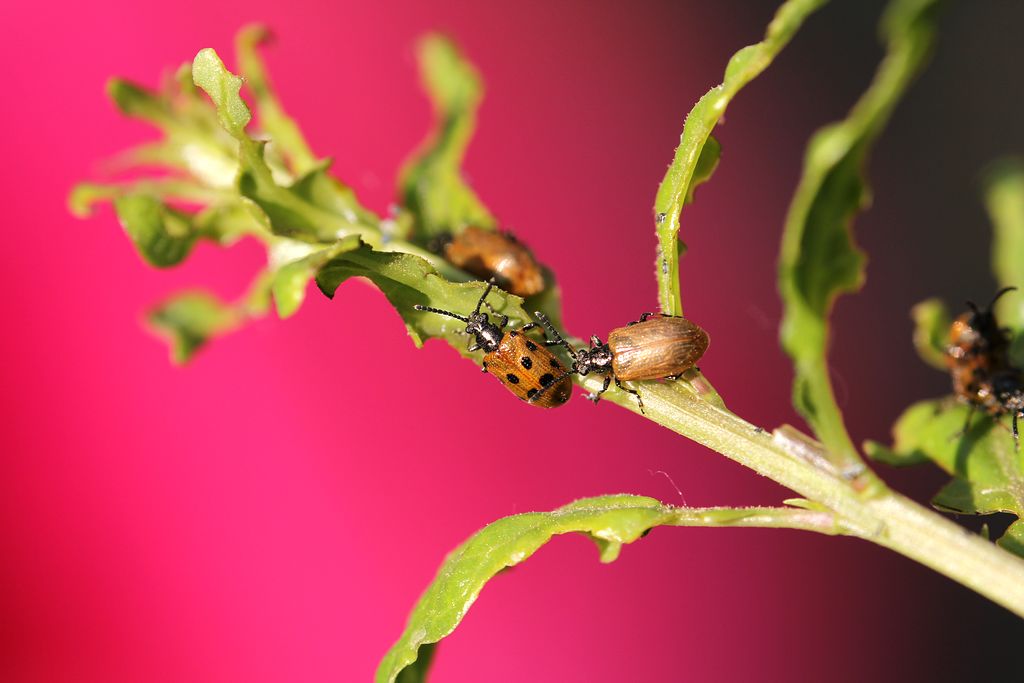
272	511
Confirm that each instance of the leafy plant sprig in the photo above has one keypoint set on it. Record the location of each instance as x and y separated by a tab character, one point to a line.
988	476
315	230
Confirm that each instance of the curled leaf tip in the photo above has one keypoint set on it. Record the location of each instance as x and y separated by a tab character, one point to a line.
819	259
257	33
432	185
451	79
223	87
1004	200
188	320
931	331
82	199
698	152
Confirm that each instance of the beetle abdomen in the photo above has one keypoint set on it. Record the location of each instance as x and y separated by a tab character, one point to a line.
530	371
659	347
488	253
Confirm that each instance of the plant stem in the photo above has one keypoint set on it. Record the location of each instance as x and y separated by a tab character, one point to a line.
876	514
821	521
925	536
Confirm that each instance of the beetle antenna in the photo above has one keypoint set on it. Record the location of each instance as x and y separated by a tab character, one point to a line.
558	338
440	312
490	285
1000	293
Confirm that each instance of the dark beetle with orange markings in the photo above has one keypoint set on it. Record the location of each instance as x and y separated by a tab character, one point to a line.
526	368
977	348
653	347
492	254
979	365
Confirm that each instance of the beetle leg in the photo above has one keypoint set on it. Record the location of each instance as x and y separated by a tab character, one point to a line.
970	414
681	374
967	424
1016	434
503	323
484	367
473	346
643	318
640	401
528	326
595	341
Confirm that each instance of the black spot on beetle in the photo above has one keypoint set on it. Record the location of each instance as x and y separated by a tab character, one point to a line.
526	362
530	345
513	333
531	393
513	379
547	379
555	363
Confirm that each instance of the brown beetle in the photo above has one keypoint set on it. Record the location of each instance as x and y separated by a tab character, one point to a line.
527	369
492	254
653	347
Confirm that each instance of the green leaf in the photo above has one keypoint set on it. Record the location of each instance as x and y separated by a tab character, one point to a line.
698	152
988	474
190	319
707	162
962	496
324	191
610	521
287	212
243	187
84	196
193	142
224	89
1013	539
417	671
931	332
283	130
908	431
291	279
1004	199
138	101
163	236
431	182
407	280
819	261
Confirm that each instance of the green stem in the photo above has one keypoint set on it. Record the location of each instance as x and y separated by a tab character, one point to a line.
925	536
876	514
821	521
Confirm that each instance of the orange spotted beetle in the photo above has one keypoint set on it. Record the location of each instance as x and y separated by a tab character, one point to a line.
493	254
527	369
653	347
